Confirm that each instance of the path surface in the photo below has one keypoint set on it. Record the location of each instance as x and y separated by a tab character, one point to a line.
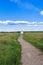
30	55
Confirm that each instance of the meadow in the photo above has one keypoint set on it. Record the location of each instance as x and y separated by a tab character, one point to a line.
10	49
35	38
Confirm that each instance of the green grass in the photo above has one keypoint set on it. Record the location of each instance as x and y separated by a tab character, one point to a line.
10	49
35	38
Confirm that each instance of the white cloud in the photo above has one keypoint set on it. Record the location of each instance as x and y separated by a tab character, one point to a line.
21	22
5	22
41	12
13	22
17	22
29	26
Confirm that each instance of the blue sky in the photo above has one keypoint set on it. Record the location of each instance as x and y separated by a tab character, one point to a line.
21	12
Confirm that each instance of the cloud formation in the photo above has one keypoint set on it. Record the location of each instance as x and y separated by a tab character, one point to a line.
41	12
24	4
9	22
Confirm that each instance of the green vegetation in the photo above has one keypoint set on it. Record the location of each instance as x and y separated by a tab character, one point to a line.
35	38
10	49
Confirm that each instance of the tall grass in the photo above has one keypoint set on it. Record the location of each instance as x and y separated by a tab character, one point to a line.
35	39
10	49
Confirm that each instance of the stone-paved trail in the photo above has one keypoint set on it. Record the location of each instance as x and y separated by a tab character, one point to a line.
30	54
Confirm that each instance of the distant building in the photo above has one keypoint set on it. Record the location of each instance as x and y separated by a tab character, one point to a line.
21	32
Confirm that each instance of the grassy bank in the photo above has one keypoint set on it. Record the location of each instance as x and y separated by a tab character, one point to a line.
10	49
35	38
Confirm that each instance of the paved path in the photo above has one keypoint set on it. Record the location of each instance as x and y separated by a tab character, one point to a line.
30	55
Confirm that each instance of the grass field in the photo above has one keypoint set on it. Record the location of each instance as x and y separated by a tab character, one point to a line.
10	49
35	38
